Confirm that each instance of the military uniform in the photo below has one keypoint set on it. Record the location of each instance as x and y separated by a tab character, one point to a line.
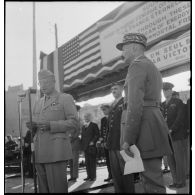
52	147
122	183
173	112
144	124
103	134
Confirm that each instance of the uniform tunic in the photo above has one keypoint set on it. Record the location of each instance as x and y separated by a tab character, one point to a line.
143	123
53	147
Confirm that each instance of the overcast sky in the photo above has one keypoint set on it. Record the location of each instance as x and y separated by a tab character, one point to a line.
71	19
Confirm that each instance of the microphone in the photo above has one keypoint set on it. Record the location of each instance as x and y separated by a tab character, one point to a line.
22	94
32	91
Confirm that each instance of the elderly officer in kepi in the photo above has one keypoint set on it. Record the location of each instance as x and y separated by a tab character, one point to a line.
54	117
144	125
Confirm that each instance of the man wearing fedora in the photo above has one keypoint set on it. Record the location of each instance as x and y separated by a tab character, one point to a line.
54	118
144	125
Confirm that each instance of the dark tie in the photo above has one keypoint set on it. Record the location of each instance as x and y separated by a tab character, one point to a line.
47	98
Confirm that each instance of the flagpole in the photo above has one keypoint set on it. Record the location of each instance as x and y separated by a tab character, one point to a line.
56	66
34	51
35	87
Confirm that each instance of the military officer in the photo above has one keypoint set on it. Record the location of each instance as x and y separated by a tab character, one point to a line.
173	112
54	116
122	183
144	124
103	132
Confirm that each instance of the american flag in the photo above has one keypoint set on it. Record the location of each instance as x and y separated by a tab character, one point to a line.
81	54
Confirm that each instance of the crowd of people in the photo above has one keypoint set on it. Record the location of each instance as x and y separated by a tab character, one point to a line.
160	130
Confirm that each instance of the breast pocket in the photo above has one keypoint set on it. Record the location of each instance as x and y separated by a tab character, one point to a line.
56	107
59	136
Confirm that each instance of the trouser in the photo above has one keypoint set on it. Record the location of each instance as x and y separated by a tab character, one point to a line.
176	162
186	148
122	183
108	162
52	177
74	164
152	177
90	161
28	167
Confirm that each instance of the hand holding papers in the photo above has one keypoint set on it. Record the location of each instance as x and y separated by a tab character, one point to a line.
132	164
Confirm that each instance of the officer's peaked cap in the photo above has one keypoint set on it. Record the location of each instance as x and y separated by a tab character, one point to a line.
116	83
167	86
45	74
132	38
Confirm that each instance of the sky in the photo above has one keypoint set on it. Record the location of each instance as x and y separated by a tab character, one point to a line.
71	19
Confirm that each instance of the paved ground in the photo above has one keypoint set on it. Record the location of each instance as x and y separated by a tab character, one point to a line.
13	185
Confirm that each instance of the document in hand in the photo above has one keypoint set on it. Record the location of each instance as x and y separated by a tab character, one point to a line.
132	164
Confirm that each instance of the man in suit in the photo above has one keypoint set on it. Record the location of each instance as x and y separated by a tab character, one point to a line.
89	137
27	154
187	143
144	124
54	117
174	113
122	183
103	132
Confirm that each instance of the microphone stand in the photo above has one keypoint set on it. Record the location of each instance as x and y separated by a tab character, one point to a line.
21	150
32	144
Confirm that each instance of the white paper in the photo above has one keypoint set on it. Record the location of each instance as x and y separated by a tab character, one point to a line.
132	164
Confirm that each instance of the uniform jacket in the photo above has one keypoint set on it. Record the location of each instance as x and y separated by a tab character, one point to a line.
104	128
114	120
144	125
54	145
89	134
188	108
174	114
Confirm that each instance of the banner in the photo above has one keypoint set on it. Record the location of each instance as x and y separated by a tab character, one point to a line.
155	19
172	53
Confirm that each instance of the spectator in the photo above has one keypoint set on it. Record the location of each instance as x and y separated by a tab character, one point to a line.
173	112
103	132
122	183
10	144
89	137
28	167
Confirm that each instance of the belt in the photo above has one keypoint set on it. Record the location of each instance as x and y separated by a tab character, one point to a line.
151	104
145	104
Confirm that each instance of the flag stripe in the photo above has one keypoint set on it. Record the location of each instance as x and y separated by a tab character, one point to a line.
88	32
81	54
101	72
96	35
84	60
85	55
89	45
92	64
85	63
